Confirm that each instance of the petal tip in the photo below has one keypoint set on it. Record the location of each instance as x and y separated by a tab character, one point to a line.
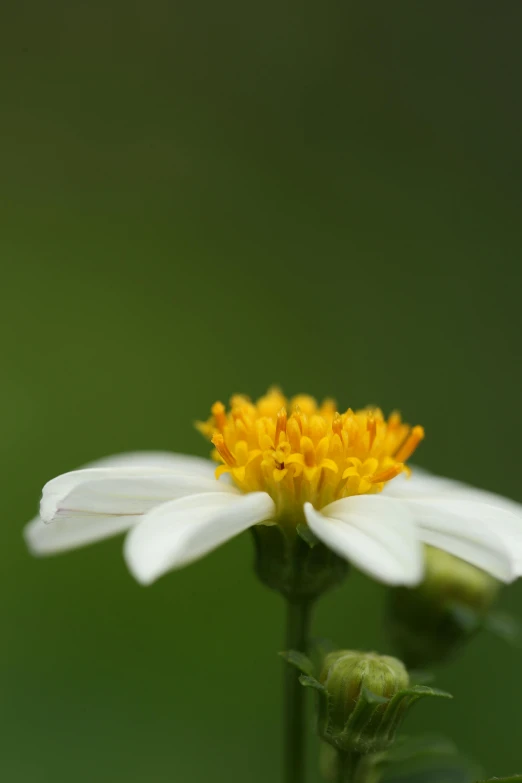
48	509
135	563
32	537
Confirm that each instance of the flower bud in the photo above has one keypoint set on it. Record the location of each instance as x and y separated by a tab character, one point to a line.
348	676
429	622
363	698
346	672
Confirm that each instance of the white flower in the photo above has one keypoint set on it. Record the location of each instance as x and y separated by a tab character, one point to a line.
177	512
344	475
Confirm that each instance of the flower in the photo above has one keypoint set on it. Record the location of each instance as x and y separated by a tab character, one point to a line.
294	464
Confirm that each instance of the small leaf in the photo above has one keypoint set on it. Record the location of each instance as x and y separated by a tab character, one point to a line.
304	532
311	682
402	702
299	660
409	696
424	690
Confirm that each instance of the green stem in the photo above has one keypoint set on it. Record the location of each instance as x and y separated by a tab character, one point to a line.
297	624
347	767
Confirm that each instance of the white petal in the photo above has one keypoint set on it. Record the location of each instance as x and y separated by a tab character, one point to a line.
179	532
107	497
185	463
475	532
121	491
505	521
64	534
422	483
375	533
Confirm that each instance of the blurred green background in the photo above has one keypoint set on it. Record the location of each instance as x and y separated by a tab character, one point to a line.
200	198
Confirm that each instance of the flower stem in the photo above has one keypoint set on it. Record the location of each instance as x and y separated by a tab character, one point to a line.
348	767
297	624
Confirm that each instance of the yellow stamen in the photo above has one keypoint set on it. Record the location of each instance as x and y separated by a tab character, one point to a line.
394	420
219	414
337	424
307	448
372	428
387	475
223	450
281	425
293	432
314	454
410	444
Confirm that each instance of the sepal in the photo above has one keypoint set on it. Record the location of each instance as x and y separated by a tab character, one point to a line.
373	724
299	660
311	682
304	532
292	561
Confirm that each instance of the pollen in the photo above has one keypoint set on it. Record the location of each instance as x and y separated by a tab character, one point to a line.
299	451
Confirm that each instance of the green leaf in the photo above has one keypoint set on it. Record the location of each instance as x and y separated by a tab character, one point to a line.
424	690
299	660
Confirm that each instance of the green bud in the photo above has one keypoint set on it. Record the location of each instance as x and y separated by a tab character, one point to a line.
346	676
430	622
293	562
346	672
363	698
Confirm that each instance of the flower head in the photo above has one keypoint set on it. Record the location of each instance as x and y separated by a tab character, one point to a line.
300	452
337	477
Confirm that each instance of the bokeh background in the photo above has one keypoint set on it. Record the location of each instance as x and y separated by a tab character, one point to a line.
200	198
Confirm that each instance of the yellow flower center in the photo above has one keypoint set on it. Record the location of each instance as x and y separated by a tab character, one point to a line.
299	451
